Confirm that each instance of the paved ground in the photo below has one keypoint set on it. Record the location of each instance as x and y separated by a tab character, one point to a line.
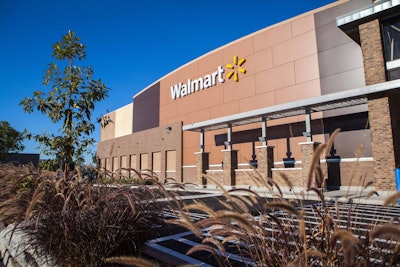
348	195
171	249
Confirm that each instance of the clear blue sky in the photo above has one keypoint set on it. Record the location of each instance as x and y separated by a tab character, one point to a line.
130	43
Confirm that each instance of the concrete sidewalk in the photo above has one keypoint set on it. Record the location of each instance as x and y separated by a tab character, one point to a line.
345	195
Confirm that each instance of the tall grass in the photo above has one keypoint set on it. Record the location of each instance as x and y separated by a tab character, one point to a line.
74	222
17	185
280	232
78	223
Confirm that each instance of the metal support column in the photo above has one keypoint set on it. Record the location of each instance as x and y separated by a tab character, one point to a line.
263	138
307	133
228	142
202	140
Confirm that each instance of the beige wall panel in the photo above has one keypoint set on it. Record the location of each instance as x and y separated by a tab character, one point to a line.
275	78
156	162
306	69
242	48
189	157
170	160
234	91
144	161
272	36
187	105
224	110
108	132
298	47
124	120
201	115
216	156
170	121
258	101
133	162
244	153
168	111
186	72
295	147
303	24
280	149
210	62
297	92
259	61
191	138
214	96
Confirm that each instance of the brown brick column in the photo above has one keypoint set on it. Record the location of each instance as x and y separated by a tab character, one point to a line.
383	109
202	165
265	160
230	165
371	45
382	142
308	149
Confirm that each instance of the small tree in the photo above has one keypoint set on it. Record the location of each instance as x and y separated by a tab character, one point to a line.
70	101
10	139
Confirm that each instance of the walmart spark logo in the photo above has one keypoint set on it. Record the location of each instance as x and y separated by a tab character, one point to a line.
192	86
238	64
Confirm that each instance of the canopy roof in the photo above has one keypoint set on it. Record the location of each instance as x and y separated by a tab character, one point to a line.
320	103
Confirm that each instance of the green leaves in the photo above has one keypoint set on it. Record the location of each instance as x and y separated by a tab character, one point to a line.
10	139
69	48
70	100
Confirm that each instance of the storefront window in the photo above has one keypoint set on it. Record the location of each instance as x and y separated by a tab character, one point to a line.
391	40
391	44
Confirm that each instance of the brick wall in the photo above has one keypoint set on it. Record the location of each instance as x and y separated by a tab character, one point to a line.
357	173
293	176
382	142
380	120
158	139
371	44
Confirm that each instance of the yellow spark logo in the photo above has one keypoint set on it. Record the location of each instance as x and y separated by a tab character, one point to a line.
238	63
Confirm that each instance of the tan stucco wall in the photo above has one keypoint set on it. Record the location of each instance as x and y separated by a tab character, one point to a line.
107	132
123	120
281	66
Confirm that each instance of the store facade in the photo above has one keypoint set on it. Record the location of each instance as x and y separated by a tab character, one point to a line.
265	102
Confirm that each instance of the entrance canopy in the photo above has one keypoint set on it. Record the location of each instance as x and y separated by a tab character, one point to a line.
321	103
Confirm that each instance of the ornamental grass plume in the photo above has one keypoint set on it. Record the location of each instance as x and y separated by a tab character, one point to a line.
81	224
18	184
276	231
73	222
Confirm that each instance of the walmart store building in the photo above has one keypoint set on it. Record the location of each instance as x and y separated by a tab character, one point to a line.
269	99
